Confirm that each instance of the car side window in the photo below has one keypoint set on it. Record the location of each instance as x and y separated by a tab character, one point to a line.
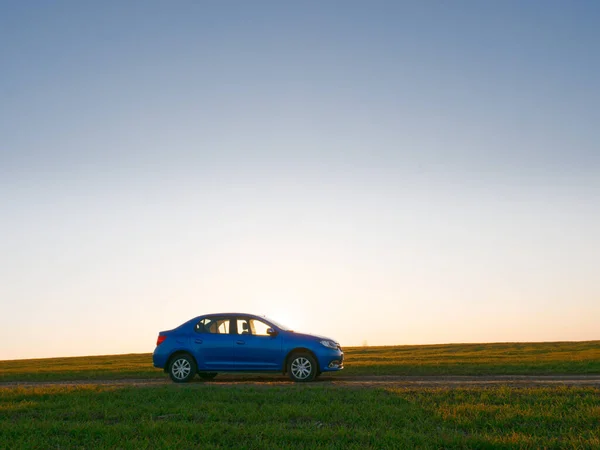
213	325
252	326
259	328
243	326
223	326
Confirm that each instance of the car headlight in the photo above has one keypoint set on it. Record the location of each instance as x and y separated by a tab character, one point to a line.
330	344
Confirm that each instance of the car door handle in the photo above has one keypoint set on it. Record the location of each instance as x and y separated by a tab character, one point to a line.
198	341
240	342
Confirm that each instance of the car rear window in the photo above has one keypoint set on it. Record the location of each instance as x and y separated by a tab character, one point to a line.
214	325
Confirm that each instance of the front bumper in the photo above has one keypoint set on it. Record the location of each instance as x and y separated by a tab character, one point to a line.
331	361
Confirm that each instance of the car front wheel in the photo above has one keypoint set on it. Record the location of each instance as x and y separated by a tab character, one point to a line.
182	369
302	367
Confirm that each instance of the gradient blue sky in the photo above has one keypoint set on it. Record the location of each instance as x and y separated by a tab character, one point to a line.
390	172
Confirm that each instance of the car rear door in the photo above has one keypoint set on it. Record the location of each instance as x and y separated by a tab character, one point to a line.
213	344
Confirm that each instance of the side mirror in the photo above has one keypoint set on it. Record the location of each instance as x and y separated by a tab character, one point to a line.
271	332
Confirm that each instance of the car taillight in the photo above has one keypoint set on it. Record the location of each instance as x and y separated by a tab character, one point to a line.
160	340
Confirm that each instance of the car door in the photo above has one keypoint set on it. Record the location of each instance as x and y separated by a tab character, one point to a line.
253	348
213	344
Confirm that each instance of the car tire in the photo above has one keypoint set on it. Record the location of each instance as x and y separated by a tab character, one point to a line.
302	367
182	368
207	375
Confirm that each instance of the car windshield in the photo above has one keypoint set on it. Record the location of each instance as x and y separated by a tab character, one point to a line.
277	324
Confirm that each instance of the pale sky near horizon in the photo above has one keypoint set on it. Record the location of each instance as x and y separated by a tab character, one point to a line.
389	172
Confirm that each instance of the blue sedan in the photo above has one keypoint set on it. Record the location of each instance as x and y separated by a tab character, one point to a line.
235	342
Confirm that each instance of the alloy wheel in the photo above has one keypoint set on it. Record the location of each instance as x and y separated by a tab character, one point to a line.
181	368
301	368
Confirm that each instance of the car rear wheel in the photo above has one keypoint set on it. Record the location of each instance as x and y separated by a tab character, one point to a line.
302	367
182	368
207	375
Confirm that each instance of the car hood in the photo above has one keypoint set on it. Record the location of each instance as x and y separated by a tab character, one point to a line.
313	336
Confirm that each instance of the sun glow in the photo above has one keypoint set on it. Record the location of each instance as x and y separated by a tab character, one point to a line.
287	318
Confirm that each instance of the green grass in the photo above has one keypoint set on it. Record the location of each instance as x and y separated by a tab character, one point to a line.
80	368
452	359
478	359
298	416
314	415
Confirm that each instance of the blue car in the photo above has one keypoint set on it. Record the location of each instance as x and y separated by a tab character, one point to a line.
234	342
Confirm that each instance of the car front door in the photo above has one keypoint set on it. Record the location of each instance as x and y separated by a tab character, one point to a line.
213	344
253	348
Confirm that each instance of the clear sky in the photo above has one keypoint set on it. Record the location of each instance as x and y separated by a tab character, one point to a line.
390	172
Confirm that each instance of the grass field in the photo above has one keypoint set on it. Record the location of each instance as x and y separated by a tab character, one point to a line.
452	359
313	416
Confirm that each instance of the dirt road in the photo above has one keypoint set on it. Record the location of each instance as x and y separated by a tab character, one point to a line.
345	381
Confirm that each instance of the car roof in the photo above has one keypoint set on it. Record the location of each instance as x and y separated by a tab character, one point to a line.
229	314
